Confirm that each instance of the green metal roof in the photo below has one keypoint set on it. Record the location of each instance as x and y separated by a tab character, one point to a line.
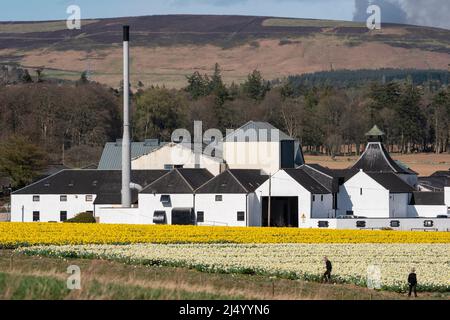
375	132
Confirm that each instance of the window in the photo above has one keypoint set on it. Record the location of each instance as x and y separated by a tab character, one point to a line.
314	198
36	198
395	224
241	216
168	167
360	224
165	199
63	198
321	198
428	223
89	198
323	224
219	198
63	216
179	166
36	216
361	191
200	217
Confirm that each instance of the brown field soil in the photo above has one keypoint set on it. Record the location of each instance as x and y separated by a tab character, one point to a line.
169	66
23	277
423	164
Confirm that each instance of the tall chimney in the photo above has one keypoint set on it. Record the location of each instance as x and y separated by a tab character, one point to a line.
126	144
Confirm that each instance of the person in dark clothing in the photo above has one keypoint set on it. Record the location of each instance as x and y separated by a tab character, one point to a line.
329	267
412	281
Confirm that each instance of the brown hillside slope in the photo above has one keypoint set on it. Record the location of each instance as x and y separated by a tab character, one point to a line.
167	48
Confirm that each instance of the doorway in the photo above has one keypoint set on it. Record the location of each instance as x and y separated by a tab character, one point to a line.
284	212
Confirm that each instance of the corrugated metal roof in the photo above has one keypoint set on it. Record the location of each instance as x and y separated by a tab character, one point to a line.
263	131
112	153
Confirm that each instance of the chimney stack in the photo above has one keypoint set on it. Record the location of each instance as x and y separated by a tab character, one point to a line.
126	143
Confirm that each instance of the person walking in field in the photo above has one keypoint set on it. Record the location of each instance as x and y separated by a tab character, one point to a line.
329	267
412	281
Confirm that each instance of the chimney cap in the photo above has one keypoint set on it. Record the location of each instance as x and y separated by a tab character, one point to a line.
126	33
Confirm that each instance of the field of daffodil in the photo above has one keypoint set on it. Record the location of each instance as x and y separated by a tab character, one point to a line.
14	235
351	262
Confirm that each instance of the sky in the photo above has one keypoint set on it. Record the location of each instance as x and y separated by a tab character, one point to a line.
421	12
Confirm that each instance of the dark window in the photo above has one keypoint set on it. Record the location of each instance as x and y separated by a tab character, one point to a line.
395	224
63	216
323	224
314	198
168	167
36	216
36	198
360	224
180	166
165	199
428	223
200	216
63	198
361	191
219	198
349	213
321	198
160	217
241	216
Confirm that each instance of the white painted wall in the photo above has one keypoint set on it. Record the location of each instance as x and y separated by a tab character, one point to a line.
447	196
378	224
175	154
118	215
426	211
253	155
284	186
223	213
322	207
49	207
373	203
398	205
149	203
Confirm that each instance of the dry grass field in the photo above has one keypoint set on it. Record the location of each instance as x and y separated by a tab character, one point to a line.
23	277
424	164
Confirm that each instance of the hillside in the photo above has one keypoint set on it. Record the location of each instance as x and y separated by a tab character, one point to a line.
167	48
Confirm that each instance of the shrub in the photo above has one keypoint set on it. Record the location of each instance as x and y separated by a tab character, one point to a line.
85	217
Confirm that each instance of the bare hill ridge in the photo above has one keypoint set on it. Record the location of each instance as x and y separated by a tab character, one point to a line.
167	48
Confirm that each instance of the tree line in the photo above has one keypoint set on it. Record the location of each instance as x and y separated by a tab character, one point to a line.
70	122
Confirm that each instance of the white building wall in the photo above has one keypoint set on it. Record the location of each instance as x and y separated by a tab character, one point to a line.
447	196
117	215
378	224
253	155
398	205
176	155
149	203
322	207
255	210
49	207
284	186
426	211
222	213
374	202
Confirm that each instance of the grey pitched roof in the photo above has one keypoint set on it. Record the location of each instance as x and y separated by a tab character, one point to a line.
323	175
376	159
112	153
106	184
441	174
234	182
435	183
257	131
307	181
179	181
391	182
428	199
